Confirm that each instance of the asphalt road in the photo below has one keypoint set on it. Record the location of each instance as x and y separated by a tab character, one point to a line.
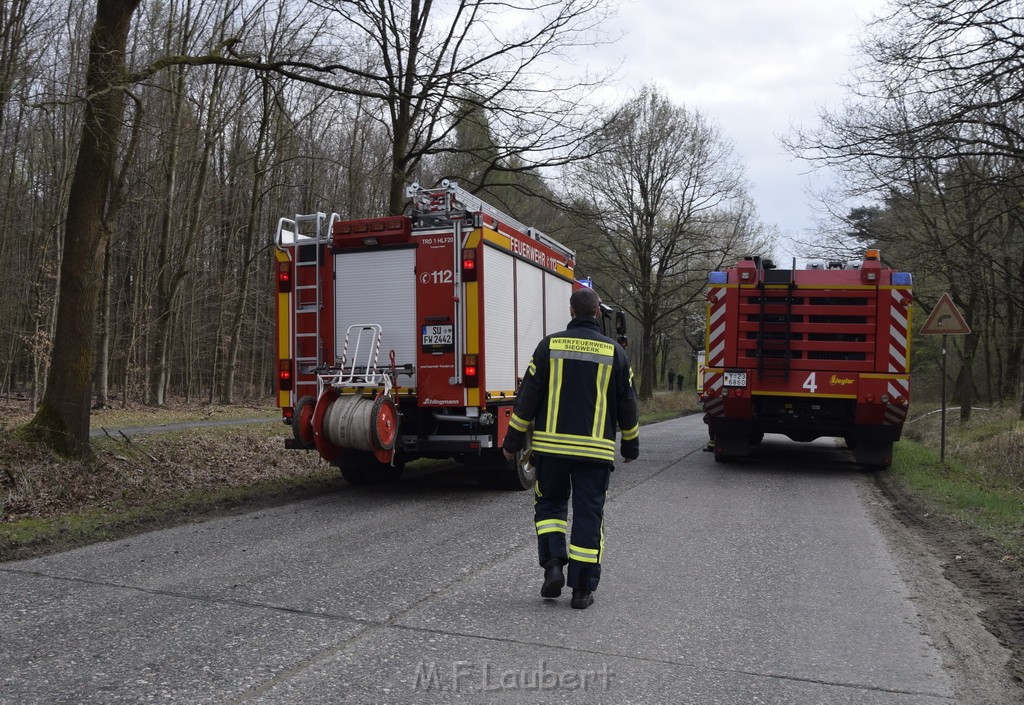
762	582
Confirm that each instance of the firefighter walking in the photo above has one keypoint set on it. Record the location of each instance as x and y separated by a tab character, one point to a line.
577	391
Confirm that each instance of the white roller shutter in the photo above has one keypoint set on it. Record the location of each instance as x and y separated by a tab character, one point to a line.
556	305
499	351
529	311
378	286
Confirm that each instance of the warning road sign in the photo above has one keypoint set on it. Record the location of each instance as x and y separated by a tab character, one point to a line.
945	319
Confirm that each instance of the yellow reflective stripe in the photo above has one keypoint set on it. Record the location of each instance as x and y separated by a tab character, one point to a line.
583	345
554	391
604	373
575	451
531	368
518	423
601	555
536	488
584	555
631	433
548	526
572	439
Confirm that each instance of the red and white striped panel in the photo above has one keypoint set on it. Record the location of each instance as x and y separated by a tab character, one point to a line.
899	316
716	328
899	319
713	381
896	413
713	403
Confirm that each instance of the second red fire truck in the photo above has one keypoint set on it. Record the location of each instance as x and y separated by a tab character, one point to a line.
808	353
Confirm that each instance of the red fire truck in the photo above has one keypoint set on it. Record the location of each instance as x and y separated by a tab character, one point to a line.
403	337
817	352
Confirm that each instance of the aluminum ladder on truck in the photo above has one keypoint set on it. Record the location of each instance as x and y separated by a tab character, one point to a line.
774	331
305	237
449	196
366	346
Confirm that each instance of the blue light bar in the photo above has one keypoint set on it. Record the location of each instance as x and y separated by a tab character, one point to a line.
588	282
718	277
902	279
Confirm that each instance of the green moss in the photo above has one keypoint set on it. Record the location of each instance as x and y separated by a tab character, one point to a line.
48	428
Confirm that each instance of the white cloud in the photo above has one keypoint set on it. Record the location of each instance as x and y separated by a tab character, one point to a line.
756	67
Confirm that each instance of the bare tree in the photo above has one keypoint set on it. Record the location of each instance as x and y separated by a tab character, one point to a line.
63	417
666	201
932	130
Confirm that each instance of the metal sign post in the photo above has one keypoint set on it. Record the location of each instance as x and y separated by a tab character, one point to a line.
945	319
942	443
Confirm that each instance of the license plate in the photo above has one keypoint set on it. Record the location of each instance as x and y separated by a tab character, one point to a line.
438	335
735	379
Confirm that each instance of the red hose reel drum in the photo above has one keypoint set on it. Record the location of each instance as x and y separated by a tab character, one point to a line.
341	422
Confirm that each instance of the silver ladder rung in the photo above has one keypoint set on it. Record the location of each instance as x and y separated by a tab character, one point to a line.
304	287
306	335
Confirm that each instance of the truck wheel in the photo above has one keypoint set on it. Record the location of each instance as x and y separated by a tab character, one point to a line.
731	446
497	473
873	455
302	423
359	467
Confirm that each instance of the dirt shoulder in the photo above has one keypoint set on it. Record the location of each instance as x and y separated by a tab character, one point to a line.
969	592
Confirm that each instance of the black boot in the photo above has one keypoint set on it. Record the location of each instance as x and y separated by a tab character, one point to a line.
582	599
554	579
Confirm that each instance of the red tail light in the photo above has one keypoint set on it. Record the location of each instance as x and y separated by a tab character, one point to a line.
284	375
469	265
469	371
284	277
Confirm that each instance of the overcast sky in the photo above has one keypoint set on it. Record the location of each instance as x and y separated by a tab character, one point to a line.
755	67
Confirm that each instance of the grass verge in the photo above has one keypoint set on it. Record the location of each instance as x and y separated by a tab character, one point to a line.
981	484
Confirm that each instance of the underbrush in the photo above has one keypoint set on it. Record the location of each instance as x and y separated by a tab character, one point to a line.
664	405
982	481
139	479
992	441
17	413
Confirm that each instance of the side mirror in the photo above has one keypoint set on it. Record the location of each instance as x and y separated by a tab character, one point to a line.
620	324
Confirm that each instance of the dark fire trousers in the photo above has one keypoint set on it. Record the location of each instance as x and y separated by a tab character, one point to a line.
587	481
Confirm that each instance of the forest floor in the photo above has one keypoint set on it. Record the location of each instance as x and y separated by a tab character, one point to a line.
141	481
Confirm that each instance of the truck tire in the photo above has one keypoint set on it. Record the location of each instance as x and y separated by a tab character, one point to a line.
302	423
731	446
497	473
873	455
359	467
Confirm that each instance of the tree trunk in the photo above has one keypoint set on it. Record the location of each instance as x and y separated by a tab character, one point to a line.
167	281
647	360
227	392
103	348
964	388
63	418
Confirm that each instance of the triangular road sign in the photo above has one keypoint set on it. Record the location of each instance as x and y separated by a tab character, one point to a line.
945	319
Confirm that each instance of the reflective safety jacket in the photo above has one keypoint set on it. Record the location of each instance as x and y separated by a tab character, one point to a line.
577	391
